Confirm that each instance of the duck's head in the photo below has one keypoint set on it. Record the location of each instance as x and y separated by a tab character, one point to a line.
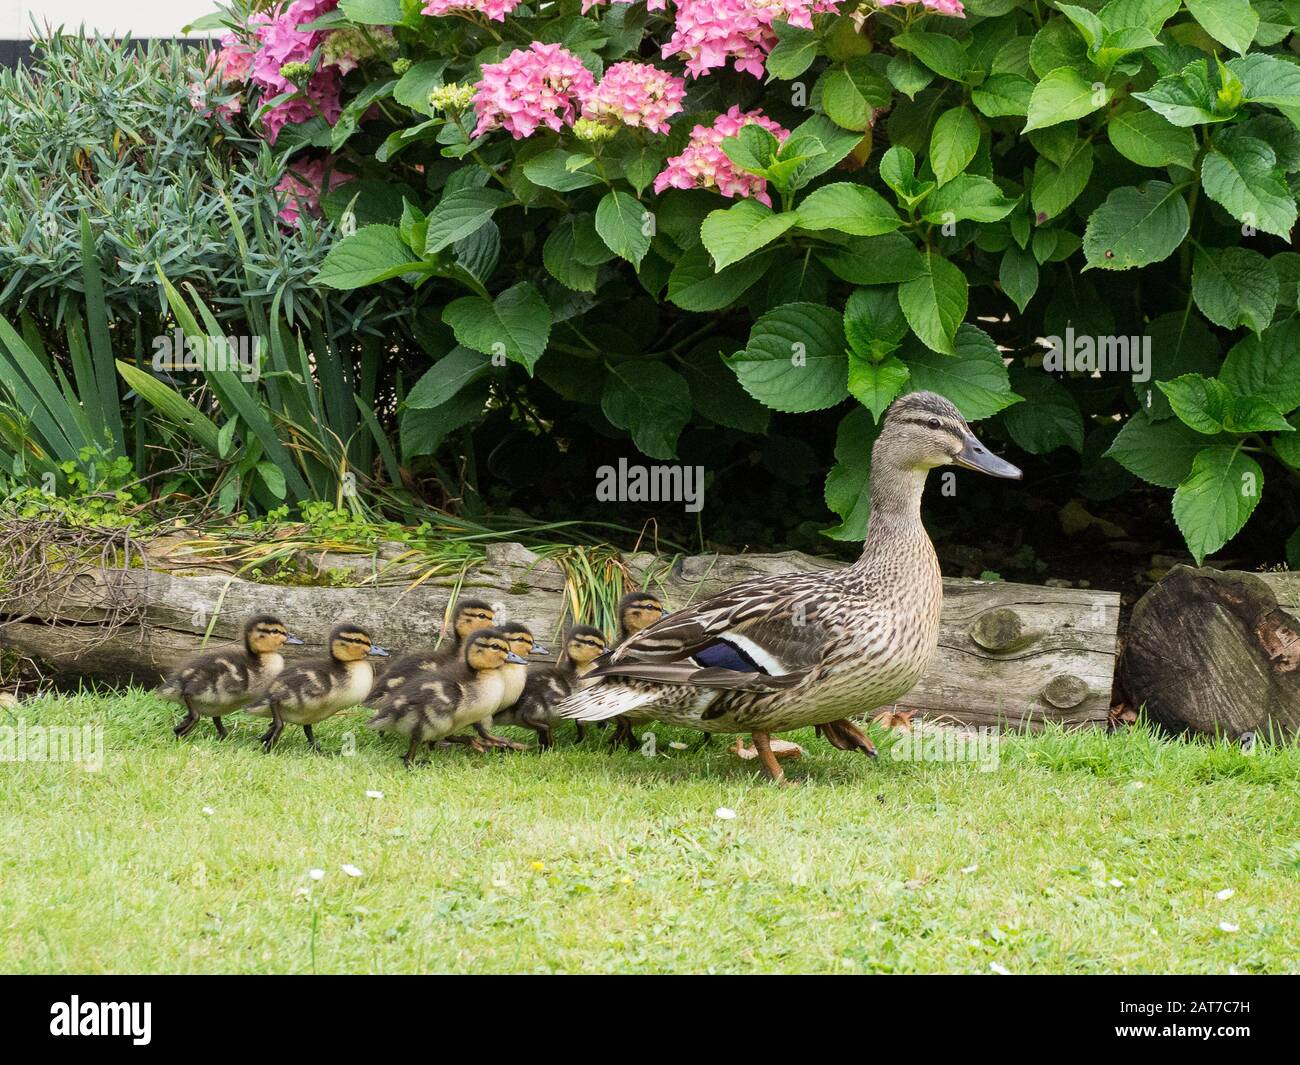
265	634
351	643
584	644
520	639
923	430
471	615
639	610
488	649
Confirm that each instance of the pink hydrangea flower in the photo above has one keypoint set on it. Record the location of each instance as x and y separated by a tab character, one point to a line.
496	10
944	7
303	184
281	42
709	32
534	86
704	165
636	94
234	62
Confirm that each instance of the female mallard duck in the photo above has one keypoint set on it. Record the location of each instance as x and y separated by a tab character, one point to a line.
432	705
222	681
470	616
783	652
636	611
547	685
307	693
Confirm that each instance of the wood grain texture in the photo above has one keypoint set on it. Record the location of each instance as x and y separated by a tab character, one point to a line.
1217	652
1009	654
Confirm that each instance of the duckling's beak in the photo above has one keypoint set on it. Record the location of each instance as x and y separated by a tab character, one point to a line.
292	639
538	649
378	651
975	456
512	657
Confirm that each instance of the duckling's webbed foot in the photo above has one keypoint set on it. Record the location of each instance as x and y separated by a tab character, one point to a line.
219	725
623	734
408	759
497	741
273	733
311	740
845	736
187	725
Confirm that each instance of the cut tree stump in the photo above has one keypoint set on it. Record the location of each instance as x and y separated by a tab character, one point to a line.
1216	652
1009	654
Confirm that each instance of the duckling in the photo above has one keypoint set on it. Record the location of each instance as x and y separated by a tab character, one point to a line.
515	674
636	611
817	647
547	685
470	616
307	693
223	681
433	704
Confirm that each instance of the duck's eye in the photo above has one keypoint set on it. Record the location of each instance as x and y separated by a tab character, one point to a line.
933	423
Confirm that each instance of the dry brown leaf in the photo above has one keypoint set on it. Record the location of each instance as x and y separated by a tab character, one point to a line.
893	718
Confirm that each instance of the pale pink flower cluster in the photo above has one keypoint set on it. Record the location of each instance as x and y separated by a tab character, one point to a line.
229	66
636	94
281	42
710	32
704	165
944	7
496	10
303	184
540	85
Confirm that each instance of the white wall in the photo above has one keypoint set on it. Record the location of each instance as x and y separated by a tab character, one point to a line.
141	18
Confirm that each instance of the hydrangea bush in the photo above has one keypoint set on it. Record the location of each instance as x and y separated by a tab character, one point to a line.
1072	219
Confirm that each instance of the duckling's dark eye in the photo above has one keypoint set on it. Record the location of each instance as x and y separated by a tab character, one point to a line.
933	423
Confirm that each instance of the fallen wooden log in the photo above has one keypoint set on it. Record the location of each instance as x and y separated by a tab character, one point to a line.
1216	652
1009	655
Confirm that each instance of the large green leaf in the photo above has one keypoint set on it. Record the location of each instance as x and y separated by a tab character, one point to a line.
651	401
1230	22
561	170
935	303
1018	275
876	384
458	214
732	234
446	377
1056	187
795	359
1216	499
1003	94
370	255
694	286
1135	227
1268	79
1049	418
515	325
967	197
1267	366
848	483
1241	173
172	405
1235	287
851	95
953	143
624	225
1158	452
975	379
882	260
1186	98
853	209
1149	139
1063	95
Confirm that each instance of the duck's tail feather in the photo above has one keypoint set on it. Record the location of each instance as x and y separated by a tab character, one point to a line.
691	675
604	701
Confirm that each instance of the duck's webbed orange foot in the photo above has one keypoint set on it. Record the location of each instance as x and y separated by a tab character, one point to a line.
845	736
763	744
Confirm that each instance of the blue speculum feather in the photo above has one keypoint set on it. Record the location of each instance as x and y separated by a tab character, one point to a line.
724	656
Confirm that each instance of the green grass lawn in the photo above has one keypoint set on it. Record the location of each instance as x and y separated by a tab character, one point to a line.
1079	853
